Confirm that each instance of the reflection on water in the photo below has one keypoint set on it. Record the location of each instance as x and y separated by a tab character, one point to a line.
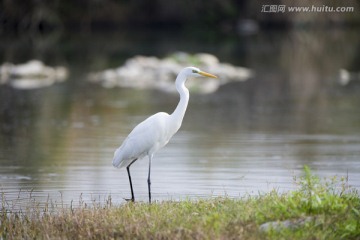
249	137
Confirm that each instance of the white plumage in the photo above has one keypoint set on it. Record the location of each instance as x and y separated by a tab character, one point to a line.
145	139
155	131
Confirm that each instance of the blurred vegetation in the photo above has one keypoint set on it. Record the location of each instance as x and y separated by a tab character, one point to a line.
17	16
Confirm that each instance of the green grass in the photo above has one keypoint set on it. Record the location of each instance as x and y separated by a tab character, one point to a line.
334	206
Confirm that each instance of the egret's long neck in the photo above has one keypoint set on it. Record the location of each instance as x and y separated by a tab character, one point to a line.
180	110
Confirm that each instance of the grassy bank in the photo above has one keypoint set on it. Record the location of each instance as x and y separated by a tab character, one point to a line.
331	210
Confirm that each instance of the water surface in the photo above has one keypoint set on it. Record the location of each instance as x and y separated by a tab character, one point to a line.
57	143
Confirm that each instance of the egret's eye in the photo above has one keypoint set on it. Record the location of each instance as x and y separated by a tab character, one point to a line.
194	71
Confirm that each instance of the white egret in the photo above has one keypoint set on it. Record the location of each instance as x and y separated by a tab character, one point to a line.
155	132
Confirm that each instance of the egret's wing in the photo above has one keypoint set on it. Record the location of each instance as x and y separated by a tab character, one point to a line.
140	141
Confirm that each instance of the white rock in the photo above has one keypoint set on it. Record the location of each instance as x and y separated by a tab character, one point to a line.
345	77
31	83
207	59
33	74
153	73
287	224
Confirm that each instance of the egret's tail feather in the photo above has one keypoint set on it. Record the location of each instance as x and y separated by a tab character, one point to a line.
117	159
116	163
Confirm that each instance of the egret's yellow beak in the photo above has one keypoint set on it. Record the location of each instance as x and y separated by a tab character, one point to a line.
205	74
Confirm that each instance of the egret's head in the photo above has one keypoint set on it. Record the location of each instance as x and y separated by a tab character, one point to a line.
195	72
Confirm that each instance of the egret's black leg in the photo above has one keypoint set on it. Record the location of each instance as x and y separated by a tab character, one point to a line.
131	187
149	182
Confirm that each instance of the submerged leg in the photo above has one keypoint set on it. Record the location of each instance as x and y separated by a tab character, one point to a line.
131	187
149	182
